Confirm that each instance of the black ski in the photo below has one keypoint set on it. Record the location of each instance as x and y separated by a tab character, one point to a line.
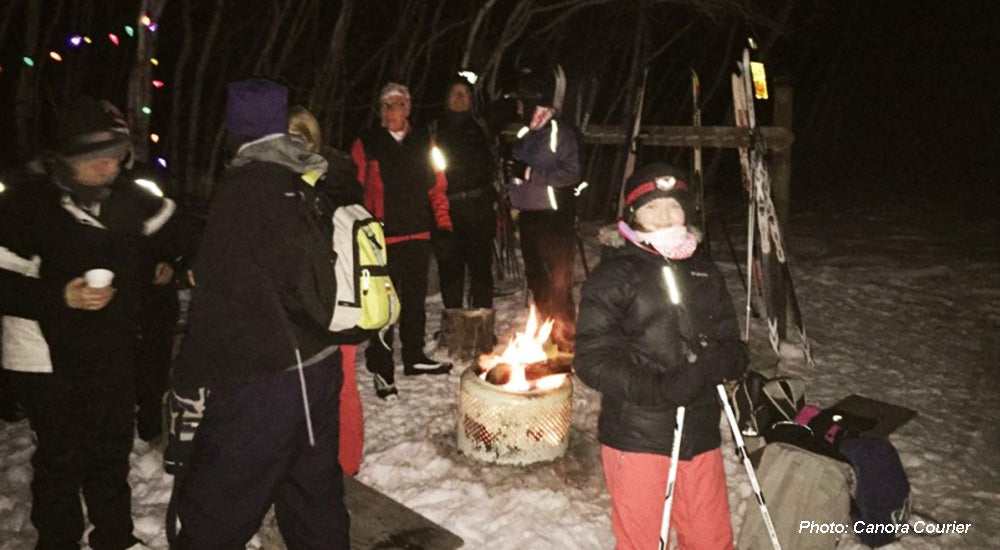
769	241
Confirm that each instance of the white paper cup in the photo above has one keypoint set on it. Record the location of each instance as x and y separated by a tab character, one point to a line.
99	278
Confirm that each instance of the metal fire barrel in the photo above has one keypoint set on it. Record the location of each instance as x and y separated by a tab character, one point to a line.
505	427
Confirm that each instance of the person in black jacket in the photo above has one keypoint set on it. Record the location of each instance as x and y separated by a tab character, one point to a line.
258	341
656	331
461	135
73	214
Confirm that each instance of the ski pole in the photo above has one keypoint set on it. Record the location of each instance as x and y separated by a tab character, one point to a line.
668	503
579	246
742	449
751	219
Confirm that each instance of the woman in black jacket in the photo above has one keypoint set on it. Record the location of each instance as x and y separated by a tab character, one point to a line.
657	331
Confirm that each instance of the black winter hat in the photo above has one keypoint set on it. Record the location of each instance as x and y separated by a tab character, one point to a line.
256	107
658	180
89	129
533	88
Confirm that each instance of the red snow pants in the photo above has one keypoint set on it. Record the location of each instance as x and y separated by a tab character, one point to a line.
352	421
637	483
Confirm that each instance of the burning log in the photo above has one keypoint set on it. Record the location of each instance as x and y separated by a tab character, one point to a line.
501	373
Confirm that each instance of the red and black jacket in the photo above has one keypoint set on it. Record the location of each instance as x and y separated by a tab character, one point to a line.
402	189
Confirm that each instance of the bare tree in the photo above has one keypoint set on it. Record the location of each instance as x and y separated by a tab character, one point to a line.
177	98
327	90
139	85
194	111
25	106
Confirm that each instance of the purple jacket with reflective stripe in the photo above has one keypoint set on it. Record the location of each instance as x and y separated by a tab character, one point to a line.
557	166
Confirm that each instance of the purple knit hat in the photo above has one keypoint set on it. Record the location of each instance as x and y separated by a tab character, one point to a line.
256	107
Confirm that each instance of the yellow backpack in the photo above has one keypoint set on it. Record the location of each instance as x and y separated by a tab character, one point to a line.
366	299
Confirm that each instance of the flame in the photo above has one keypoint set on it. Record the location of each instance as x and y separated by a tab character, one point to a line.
522	349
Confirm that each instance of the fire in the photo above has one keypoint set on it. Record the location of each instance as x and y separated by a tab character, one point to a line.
523	349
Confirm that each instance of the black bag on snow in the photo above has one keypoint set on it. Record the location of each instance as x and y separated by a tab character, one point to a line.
760	402
882	491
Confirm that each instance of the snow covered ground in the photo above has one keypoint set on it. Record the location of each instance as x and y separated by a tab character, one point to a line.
900	306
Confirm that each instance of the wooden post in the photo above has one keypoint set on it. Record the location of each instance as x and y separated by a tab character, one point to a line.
781	176
467	333
782	156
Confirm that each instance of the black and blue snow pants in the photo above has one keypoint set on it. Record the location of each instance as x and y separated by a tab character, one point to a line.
252	449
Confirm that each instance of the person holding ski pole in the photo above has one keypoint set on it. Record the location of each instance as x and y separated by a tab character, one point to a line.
656	332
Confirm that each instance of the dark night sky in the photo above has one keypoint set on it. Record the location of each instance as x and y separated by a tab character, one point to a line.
908	108
920	117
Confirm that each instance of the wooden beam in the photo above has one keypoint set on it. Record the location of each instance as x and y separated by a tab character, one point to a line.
720	137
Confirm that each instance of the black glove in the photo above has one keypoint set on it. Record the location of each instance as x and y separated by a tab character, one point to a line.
517	171
721	362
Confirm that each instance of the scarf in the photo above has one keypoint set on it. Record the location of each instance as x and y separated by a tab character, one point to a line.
675	243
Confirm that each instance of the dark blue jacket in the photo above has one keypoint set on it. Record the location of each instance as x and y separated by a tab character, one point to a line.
558	168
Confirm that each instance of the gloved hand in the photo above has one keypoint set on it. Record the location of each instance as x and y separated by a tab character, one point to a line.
721	362
517	171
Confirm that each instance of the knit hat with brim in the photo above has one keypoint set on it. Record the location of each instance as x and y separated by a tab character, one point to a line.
658	180
256	107
90	129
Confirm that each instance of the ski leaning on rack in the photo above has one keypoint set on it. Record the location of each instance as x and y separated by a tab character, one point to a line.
763	220
632	142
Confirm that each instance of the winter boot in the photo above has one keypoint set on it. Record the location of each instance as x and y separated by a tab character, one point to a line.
425	365
384	389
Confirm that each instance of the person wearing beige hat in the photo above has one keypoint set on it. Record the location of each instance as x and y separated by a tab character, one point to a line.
408	193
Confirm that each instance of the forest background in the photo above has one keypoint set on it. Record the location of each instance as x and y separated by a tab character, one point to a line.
879	86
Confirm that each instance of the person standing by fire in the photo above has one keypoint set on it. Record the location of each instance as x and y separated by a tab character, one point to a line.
541	176
461	135
657	331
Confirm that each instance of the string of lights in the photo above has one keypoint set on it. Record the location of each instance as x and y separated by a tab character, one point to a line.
75	42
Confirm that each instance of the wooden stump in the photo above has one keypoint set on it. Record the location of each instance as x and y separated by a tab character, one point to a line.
467	333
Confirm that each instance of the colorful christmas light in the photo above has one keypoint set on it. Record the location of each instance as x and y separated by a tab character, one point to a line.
113	38
55	56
